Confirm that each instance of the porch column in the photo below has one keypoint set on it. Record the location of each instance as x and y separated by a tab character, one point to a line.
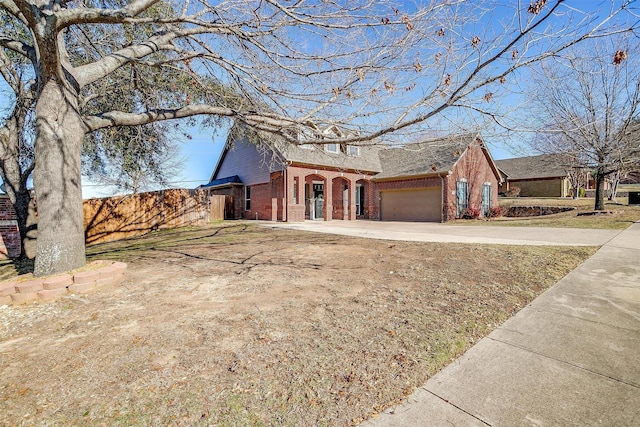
352	200
328	199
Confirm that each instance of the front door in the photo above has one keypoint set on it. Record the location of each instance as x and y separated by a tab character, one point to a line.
318	200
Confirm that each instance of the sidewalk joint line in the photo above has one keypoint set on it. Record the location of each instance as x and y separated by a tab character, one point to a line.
457	407
571	316
637	386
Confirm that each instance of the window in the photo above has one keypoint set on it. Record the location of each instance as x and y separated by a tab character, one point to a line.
462	196
352	150
331	148
247	198
486	198
295	190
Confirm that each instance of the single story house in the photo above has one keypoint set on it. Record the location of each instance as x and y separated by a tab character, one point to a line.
434	180
545	175
535	176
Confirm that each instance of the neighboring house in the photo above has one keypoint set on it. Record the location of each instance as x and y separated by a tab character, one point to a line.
546	175
429	181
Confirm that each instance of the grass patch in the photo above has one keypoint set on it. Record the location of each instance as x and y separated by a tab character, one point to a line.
618	217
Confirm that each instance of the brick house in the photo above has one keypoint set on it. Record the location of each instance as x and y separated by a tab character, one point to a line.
10	244
546	175
429	181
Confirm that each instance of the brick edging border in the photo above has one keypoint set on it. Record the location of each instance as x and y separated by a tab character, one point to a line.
47	289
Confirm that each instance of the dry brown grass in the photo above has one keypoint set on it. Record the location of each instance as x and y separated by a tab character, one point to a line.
235	325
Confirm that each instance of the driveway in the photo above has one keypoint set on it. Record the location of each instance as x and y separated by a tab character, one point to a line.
435	232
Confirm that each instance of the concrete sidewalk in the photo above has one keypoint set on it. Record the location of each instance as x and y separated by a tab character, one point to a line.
434	232
570	358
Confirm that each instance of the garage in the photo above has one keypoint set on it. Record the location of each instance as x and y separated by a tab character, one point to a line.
411	205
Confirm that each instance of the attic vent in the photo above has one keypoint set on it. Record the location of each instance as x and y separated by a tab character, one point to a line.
434	167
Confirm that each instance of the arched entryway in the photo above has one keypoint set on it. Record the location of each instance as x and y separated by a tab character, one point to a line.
362	199
340	198
315	197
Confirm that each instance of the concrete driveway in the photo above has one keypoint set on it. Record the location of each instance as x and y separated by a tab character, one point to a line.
434	232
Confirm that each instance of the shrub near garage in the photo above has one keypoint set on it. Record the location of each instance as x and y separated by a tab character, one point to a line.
470	213
494	212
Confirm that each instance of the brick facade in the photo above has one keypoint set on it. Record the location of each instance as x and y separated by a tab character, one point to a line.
305	188
473	167
9	233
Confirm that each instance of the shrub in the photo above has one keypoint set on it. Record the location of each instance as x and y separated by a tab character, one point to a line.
470	213
582	192
513	192
495	212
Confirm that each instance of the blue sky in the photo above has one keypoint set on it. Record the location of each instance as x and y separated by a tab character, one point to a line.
202	151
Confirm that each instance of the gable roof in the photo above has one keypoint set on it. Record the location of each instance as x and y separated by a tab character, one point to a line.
432	157
315	154
532	167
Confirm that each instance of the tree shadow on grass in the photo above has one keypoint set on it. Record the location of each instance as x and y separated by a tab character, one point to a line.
15	267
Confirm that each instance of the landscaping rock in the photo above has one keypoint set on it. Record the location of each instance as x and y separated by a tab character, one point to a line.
57	282
81	288
29	286
48	295
7	288
86	277
23	298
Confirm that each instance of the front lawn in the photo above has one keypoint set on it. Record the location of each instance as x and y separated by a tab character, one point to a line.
238	325
617	216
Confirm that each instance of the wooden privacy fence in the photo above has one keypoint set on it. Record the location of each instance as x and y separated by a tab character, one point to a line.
115	218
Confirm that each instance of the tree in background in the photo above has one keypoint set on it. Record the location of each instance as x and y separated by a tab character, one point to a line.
588	99
134	158
16	142
375	67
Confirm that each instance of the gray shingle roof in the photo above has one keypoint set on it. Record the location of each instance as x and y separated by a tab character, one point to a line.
433	157
367	160
542	166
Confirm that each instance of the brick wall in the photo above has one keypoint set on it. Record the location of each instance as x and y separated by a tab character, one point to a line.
9	233
260	202
334	182
474	167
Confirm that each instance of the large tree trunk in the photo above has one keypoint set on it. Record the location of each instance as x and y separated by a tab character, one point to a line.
59	134
599	205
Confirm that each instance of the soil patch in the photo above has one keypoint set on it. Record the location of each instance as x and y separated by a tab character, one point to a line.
242	325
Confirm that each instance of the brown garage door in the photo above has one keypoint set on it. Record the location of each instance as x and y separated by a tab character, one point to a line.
411	205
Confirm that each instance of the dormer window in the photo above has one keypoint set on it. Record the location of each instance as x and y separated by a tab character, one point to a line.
331	148
353	150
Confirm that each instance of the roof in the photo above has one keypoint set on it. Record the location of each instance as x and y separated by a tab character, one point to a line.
315	154
235	179
432	157
532	167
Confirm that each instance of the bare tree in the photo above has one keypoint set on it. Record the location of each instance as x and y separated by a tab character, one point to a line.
373	66
16	145
588	100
